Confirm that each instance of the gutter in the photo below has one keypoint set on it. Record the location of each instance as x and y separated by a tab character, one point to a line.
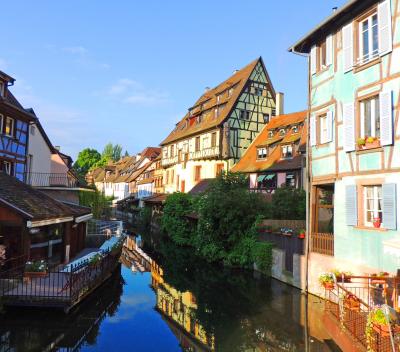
83	218
38	223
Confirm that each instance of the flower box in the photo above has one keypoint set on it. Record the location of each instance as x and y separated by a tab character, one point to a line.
352	302
382	329
328	286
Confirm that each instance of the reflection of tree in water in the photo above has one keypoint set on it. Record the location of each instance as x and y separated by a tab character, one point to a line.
33	330
238	310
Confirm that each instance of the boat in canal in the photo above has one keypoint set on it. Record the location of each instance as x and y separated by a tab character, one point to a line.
65	286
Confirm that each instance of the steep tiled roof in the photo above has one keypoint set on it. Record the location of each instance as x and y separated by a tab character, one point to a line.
188	125
249	162
31	203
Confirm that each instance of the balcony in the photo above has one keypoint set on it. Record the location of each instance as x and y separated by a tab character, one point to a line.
204	153
64	180
169	161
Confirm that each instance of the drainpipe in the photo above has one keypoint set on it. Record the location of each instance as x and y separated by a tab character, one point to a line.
308	170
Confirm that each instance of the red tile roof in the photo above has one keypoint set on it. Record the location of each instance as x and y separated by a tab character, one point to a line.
273	162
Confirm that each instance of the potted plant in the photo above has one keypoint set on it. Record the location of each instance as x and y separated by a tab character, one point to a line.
34	269
351	302
96	259
372	142
344	276
361	143
380	278
377	223
377	321
326	280
302	234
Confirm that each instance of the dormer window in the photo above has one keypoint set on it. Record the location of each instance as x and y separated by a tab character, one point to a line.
295	129
262	153
287	151
282	132
270	134
218	99
266	118
258	91
230	92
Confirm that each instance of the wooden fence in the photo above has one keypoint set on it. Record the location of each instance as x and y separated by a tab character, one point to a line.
322	243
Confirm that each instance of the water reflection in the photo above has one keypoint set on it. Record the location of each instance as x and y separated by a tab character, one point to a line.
172	301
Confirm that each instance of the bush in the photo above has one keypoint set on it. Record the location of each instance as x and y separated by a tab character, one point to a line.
145	215
174	220
289	203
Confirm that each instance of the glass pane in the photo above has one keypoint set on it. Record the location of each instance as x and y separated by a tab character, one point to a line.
370	216
370	204
375	48
377	119
369	192
365	42
367	117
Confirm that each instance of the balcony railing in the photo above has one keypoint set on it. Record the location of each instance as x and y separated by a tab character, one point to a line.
322	243
204	153
38	179
169	161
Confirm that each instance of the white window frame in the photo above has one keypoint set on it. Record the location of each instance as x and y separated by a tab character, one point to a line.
262	153
282	132
7	166
371	54
12	126
373	117
285	151
376	200
323	128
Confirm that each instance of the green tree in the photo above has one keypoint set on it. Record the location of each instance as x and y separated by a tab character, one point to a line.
87	158
289	203
112	152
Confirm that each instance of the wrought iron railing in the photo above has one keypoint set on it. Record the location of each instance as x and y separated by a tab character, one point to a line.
322	243
58	288
39	179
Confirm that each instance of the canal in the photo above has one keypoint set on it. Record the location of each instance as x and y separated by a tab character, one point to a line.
174	302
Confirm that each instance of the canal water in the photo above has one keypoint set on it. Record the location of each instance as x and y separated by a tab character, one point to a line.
174	302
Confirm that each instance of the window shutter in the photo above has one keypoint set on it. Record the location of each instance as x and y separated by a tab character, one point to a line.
389	206
313	60
329	122
329	50
386	117
313	134
351	205
385	27
348	60
349	142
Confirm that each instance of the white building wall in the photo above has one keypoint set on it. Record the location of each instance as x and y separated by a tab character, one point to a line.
40	160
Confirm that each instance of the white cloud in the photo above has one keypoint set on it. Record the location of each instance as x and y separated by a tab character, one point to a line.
129	91
76	50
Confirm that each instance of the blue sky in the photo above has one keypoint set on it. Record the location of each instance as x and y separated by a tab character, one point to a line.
126	71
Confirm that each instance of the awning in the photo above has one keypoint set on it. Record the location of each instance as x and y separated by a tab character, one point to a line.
260	178
270	176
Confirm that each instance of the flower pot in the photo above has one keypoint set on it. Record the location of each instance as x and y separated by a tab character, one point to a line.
374	144
377	223
302	235
328	286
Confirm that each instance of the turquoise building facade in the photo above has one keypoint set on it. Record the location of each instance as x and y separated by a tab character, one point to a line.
354	138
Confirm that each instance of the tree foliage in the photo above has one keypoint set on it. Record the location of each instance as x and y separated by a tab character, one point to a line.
289	203
227	216
97	201
112	152
87	158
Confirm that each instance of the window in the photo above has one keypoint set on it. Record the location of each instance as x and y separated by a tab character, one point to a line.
213	139
1	123
172	177
266	118
171	151
295	129
245	115
261	153
165	153
282	132
197	173
218	98
369	117
33	130
230	92
9	127
219	169
206	142
258	91
287	151
7	167
290	179
216	113
372	204
322	55
1	89
323	129
368	38
197	144
270	134
167	177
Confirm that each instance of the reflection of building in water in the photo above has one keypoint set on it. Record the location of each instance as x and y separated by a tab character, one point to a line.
133	256
179	309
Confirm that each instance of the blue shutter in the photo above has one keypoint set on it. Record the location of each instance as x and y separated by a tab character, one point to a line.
389	206
351	205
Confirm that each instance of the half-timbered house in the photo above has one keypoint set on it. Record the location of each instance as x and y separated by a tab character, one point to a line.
354	138
276	157
218	128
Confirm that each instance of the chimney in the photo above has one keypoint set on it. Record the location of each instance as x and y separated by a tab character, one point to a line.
279	104
207	89
57	147
235	71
